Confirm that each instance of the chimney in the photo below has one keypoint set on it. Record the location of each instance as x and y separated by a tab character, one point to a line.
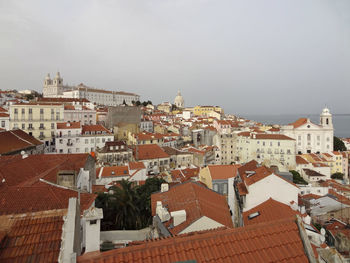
92	218
178	217
24	155
162	212
164	187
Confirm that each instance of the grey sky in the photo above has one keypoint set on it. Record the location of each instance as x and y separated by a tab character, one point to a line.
249	56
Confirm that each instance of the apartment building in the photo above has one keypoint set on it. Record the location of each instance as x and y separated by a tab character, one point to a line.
37	119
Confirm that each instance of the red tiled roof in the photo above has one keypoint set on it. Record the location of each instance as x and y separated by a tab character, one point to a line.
2	114
18	200
26	172
242	189
2	109
219	172
136	165
149	152
266	136
269	211
16	140
184	174
197	201
95	128
278	241
113	171
300	160
299	122
68	125
32	240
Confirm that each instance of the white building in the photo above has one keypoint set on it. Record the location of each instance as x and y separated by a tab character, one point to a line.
270	149
258	184
310	137
4	120
74	138
54	88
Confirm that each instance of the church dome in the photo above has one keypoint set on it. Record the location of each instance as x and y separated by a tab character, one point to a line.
179	100
326	111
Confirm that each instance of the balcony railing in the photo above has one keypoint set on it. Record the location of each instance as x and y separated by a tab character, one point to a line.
41	128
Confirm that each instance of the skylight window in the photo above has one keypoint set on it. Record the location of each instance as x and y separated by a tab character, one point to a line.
253	215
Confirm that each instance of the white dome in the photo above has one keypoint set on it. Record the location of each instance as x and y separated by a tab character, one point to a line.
326	111
179	100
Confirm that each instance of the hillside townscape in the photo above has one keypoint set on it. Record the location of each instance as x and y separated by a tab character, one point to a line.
92	175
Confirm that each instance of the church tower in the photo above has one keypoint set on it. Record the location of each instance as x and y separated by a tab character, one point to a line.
53	87
326	119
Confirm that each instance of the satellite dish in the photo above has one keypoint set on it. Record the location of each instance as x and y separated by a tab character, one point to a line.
323	232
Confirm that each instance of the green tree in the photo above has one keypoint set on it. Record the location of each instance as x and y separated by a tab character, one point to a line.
339	176
129	207
338	144
297	178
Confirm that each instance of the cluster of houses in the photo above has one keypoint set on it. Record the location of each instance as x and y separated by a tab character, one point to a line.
228	196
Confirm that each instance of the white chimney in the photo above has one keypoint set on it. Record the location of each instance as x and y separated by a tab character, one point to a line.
302	210
92	218
164	187
178	217
162	212
24	155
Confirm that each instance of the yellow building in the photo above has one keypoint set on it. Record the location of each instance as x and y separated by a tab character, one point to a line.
206	110
37	119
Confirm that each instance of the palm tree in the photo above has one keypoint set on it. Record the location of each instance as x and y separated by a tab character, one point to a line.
124	202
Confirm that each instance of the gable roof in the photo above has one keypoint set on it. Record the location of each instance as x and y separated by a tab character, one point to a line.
113	171
278	241
17	171
149	151
269	211
197	201
43	197
16	140
33	239
222	172
299	122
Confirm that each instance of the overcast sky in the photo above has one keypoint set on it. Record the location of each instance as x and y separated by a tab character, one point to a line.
248	56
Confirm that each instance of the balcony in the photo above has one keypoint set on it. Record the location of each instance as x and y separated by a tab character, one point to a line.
69	144
30	128
41	128
41	137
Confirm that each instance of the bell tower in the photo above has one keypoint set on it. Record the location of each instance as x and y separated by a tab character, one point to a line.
326	118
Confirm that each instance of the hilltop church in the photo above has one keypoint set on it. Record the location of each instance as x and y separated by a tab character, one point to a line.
311	137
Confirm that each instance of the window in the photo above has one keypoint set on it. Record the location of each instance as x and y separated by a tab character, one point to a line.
41	111
23	111
2	124
86	141
16	111
86	150
92	140
52	126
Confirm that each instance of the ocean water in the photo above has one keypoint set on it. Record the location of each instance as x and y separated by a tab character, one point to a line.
341	122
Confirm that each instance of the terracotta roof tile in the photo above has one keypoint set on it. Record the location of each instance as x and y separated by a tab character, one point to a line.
269	211
26	172
136	165
197	201
149	152
113	171
32	240
95	128
299	122
220	172
17	200
300	160
68	125
16	140
278	241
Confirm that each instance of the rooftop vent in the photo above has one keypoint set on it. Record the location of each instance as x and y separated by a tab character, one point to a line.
112	172
250	173
253	215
